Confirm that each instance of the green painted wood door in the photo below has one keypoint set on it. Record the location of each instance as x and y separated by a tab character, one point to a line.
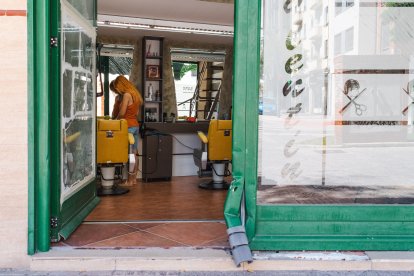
323	137
73	130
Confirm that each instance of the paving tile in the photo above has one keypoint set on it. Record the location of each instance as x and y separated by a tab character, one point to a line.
136	239
143	226
92	233
222	242
192	233
59	244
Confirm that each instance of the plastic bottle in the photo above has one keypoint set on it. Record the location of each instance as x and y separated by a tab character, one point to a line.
150	92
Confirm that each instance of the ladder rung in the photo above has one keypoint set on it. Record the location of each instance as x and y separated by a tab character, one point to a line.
214	67
218	79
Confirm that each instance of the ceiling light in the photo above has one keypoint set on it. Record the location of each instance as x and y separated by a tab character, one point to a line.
163	25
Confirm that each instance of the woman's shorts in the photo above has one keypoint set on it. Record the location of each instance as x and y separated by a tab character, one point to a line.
134	131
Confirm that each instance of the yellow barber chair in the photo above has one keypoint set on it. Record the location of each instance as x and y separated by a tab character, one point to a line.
113	142
215	154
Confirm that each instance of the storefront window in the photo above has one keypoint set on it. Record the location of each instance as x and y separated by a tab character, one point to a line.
185	82
85	8
78	101
337	103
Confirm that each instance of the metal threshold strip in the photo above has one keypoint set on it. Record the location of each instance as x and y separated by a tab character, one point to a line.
151	221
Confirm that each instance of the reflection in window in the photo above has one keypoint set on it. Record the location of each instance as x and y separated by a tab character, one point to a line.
78	102
185	81
343	5
336	126
349	39
338	44
85	8
344	41
198	76
119	59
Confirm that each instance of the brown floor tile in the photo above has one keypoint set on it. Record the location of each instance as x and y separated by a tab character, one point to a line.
142	226
191	233
178	199
136	239
91	233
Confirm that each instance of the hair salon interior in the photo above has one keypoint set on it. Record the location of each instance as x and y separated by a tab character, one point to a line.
262	125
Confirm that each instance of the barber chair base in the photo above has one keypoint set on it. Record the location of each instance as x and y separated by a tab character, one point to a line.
115	190
108	185
214	186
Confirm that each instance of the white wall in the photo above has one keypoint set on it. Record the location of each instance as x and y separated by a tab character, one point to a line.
183	165
13	137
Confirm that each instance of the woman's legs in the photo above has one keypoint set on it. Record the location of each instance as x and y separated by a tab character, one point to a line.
132	176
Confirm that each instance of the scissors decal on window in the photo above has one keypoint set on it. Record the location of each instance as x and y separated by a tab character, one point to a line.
407	91
350	88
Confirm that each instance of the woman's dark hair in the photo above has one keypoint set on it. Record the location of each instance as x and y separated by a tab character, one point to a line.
350	85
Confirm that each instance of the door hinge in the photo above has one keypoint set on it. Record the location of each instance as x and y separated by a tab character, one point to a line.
53	41
54	222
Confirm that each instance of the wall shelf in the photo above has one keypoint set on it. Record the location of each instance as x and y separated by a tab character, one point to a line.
152	68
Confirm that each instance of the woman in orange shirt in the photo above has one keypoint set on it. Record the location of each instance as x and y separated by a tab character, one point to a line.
129	109
118	100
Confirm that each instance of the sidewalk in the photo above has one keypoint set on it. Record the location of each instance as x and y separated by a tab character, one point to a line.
217	260
203	273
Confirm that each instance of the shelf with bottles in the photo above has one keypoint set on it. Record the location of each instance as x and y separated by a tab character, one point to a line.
152	112
152	92
152	65
153	47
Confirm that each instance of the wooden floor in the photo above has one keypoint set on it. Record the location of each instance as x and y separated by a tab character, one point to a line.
178	199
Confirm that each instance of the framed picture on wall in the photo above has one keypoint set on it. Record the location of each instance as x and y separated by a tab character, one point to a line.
153	71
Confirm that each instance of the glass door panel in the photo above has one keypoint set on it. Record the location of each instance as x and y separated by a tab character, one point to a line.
78	101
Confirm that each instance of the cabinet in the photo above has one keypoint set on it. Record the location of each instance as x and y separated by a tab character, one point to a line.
157	152
152	62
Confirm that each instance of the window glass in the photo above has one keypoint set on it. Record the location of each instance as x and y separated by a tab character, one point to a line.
336	126
349	39
78	101
85	8
185	82
343	5
119	64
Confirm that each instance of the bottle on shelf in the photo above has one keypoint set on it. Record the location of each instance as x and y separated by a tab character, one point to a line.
150	92
148	51
157	96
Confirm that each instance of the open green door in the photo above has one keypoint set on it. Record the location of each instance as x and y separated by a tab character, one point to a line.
73	119
324	125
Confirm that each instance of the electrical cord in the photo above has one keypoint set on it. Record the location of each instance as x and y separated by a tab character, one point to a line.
154	132
158	134
181	142
226	171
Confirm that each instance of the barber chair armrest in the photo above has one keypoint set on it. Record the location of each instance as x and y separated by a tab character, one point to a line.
131	139
69	139
202	137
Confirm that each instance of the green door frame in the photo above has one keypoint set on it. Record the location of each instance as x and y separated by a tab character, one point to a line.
44	140
294	227
245	87
38	125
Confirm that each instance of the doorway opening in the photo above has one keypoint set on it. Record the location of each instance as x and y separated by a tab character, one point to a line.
162	210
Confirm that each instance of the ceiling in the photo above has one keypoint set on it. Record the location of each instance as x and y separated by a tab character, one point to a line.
214	12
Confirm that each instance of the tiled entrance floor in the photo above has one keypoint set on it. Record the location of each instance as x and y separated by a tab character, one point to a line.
138	235
178	199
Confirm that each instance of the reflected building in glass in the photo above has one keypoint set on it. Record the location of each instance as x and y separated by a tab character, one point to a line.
338	103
